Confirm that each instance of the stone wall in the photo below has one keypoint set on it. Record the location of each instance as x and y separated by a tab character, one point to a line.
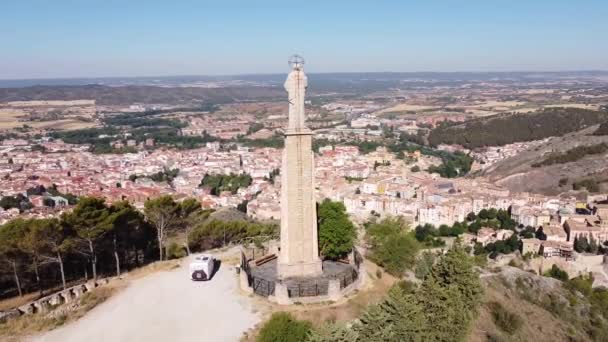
45	304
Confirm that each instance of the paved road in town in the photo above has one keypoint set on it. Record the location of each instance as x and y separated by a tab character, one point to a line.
166	306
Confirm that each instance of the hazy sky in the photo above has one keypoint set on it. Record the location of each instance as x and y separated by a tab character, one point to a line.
91	38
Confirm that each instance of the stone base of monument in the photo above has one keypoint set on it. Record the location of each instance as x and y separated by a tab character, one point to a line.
337	280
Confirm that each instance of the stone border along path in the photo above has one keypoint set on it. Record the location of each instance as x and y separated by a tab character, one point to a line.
167	306
44	304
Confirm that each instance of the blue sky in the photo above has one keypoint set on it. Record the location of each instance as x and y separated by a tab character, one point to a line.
93	38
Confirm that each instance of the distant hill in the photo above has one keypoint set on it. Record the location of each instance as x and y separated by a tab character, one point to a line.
106	95
561	164
505	129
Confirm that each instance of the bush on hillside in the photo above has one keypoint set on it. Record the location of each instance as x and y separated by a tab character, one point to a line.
557	273
505	320
440	309
216	233
283	327
175	251
392	246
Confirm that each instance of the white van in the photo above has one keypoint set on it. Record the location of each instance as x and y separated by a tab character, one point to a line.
202	267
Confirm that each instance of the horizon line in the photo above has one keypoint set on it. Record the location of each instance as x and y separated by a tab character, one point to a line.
310	73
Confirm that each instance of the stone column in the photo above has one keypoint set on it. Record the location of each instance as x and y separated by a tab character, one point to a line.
299	255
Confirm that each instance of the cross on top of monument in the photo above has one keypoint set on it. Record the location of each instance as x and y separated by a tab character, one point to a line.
296	62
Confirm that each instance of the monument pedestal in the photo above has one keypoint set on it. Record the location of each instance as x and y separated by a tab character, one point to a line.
310	269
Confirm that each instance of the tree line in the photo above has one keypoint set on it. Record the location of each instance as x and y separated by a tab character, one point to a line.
100	238
94	237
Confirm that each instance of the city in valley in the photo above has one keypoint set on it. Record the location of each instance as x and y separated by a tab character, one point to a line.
313	202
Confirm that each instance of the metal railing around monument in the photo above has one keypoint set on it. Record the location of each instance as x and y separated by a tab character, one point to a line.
262	286
311	288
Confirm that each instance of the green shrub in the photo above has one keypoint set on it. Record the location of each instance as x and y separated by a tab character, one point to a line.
582	284
283	327
441	308
336	232
175	251
379	273
557	273
215	233
507	321
424	264
392	247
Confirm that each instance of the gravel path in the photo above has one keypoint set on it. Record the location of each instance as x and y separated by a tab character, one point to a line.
166	306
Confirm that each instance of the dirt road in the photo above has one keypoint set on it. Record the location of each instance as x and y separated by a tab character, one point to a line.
166	306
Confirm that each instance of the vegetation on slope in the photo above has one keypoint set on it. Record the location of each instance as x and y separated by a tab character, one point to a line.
283	327
602	130
572	155
143	119
506	129
441	308
392	246
583	309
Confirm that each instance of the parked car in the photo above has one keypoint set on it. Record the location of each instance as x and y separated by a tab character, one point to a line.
202	267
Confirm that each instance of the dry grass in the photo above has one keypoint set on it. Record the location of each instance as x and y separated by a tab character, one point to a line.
20	328
404	107
537	323
158	266
14	302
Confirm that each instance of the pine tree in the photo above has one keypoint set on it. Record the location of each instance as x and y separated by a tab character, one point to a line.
456	268
445	311
592	248
581	244
90	221
375	325
398	318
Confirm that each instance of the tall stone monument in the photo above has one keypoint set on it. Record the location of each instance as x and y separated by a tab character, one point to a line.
299	255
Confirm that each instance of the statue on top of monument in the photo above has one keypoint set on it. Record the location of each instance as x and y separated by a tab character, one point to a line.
295	85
